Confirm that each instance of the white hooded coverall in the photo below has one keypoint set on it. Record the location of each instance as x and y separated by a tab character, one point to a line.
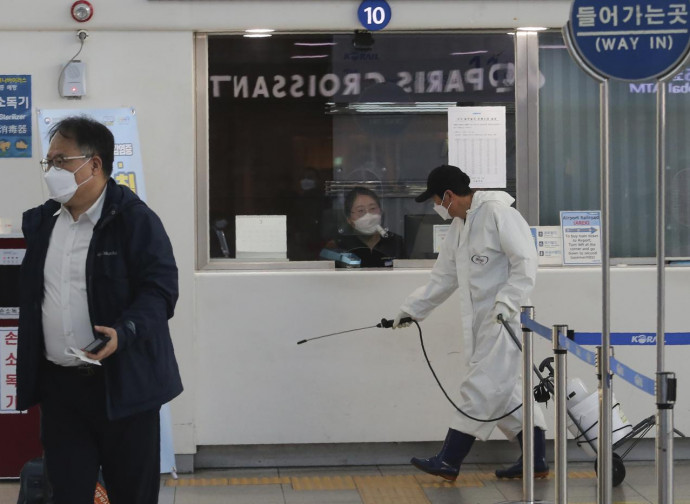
488	257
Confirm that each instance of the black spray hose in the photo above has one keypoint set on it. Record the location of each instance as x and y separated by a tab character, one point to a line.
421	341
389	323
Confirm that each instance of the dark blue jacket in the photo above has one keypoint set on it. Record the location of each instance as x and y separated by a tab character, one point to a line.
131	283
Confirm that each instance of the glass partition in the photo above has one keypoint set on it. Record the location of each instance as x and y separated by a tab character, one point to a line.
569	174
306	130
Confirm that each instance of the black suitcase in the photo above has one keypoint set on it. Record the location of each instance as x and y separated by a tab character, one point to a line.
33	485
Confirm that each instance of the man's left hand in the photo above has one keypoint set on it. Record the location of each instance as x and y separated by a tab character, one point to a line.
503	310
109	348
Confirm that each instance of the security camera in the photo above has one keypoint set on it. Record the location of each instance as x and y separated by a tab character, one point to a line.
362	40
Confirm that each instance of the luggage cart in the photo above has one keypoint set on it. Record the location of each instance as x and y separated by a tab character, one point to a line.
631	438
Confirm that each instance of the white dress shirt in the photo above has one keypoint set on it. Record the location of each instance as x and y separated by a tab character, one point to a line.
66	321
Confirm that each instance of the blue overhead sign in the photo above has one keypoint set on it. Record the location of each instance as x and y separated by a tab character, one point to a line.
374	14
631	40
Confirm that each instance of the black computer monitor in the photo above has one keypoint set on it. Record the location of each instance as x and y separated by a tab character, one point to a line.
419	235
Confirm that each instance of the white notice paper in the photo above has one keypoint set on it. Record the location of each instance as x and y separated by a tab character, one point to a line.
261	236
477	144
581	237
440	232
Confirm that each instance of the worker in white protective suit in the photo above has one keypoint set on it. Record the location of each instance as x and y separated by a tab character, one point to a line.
489	256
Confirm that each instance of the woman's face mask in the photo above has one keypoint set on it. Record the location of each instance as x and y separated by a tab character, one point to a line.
443	211
368	223
62	184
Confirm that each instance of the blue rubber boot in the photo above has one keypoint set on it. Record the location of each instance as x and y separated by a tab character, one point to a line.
541	467
446	463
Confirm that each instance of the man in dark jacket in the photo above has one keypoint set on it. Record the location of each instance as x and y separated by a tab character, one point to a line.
98	264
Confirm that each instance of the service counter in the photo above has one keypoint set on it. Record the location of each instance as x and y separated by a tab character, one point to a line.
257	386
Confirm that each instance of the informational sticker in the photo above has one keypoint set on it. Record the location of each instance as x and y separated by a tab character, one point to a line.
477	144
581	237
631	39
15	116
374	15
122	122
9	312
680	84
549	244
8	370
11	257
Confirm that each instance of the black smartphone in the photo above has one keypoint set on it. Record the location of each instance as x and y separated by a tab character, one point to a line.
96	345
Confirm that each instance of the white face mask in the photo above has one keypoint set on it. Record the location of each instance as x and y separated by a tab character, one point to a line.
443	211
61	183
368	224
307	184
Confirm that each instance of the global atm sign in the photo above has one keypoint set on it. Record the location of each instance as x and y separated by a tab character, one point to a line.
631	40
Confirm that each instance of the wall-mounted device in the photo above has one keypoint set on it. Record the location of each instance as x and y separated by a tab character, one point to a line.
73	80
81	11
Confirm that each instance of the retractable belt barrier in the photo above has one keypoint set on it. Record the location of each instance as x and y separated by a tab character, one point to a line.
564	342
625	372
634	339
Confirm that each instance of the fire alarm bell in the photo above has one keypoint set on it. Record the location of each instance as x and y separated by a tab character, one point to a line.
82	11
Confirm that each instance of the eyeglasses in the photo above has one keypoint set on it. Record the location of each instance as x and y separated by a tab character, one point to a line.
360	211
57	162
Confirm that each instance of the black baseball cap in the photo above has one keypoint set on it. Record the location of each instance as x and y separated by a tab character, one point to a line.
444	178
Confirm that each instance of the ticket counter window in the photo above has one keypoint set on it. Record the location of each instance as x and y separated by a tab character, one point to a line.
297	122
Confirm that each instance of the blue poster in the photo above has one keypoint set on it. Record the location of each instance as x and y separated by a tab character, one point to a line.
15	116
122	122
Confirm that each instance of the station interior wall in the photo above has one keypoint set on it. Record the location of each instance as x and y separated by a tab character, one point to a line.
235	332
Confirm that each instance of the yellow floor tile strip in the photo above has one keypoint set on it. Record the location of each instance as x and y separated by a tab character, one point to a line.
582	475
226	481
390	490
489	476
469	479
362	483
323	483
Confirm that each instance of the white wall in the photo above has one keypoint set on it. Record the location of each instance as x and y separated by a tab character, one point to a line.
246	380
296	15
153	74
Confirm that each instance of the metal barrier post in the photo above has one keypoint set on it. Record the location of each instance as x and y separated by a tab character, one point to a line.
605	447
527	411
605	453
665	399
560	397
664	420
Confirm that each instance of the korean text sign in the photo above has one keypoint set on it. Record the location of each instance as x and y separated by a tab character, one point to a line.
631	40
15	116
8	370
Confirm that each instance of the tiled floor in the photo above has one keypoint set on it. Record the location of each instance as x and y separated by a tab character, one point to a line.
393	485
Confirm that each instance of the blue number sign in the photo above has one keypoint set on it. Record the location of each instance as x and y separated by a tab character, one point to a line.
374	14
631	40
